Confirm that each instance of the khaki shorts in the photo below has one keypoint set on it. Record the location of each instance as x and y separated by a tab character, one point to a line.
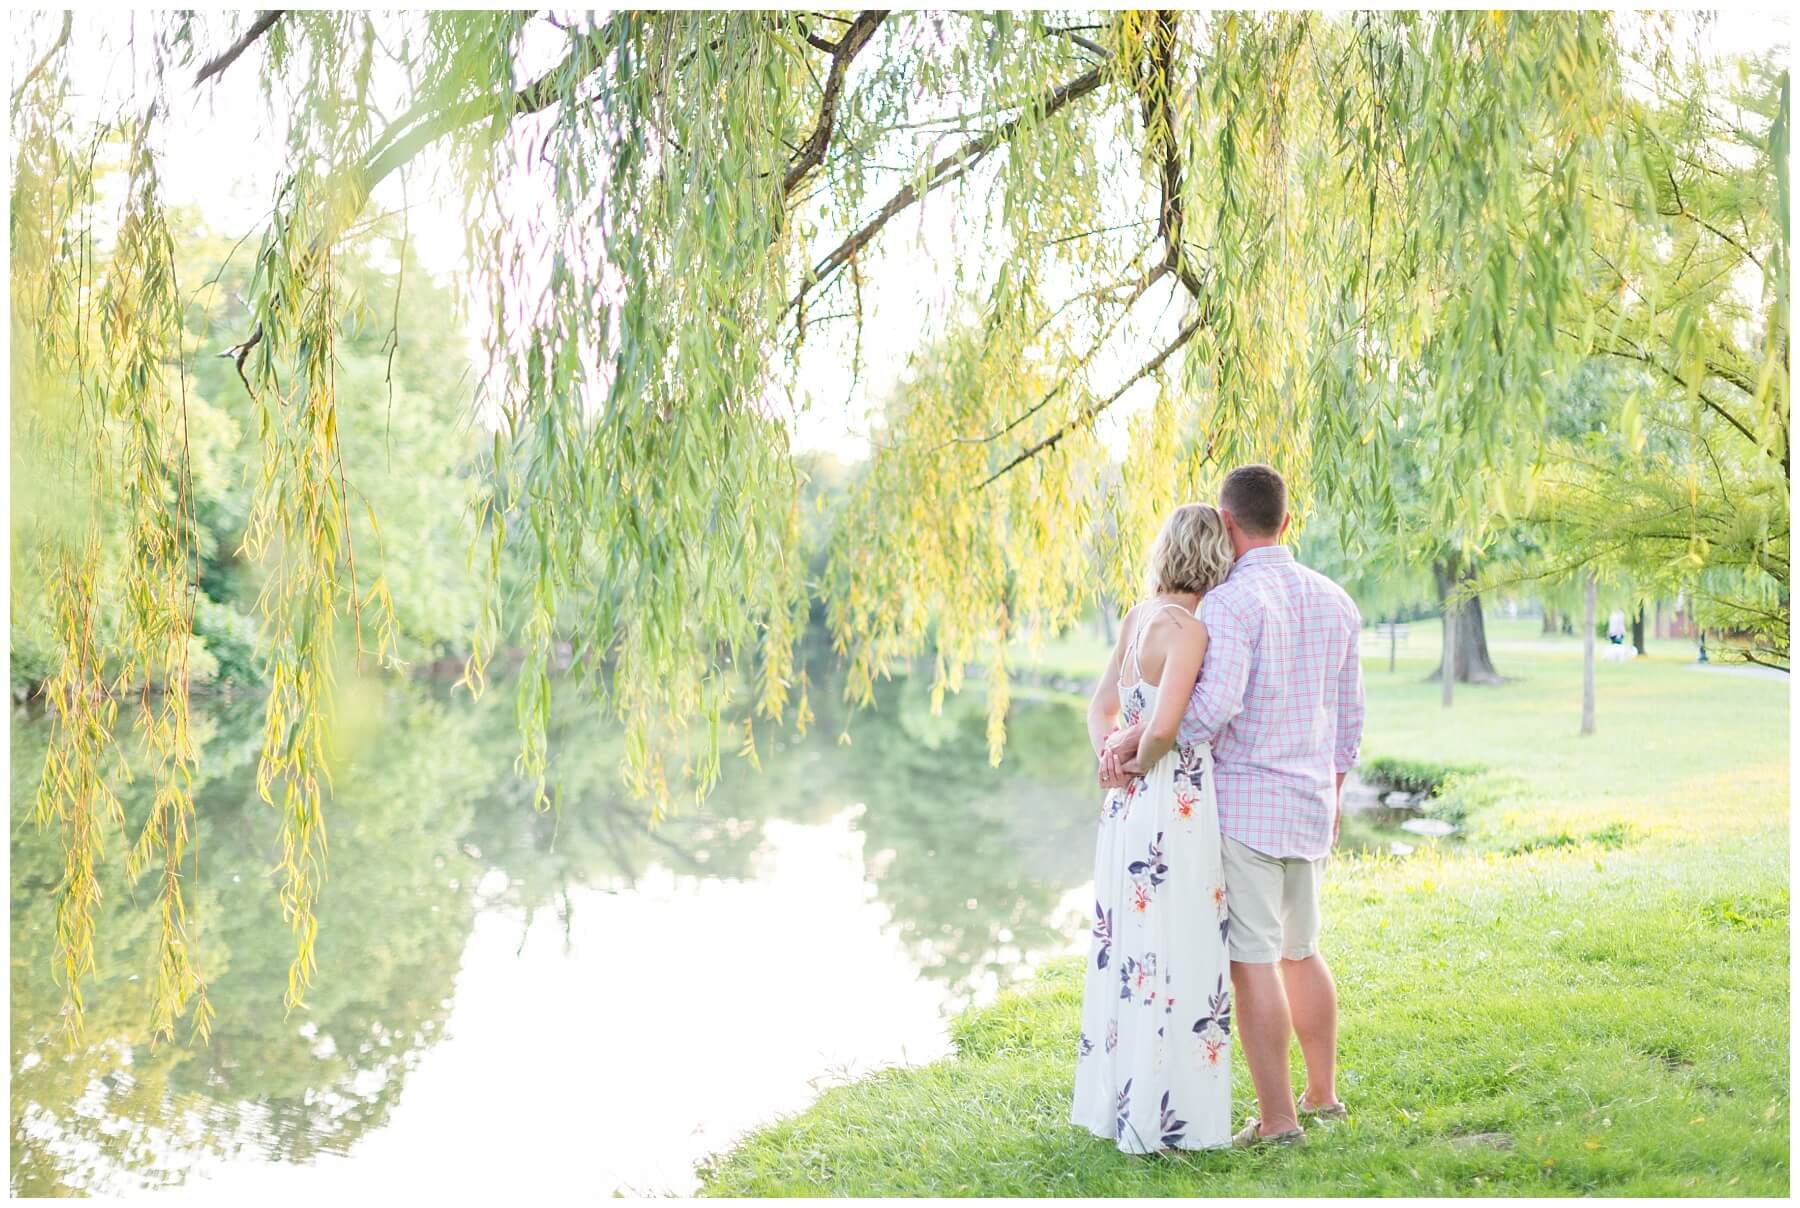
1274	905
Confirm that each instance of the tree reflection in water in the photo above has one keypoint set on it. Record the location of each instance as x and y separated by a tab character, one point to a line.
430	830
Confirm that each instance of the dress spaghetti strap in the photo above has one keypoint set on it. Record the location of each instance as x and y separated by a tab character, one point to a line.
1138	632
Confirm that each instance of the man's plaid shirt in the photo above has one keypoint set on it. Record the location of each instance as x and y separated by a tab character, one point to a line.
1280	697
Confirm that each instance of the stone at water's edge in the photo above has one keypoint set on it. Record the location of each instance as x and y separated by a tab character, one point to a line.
1393	808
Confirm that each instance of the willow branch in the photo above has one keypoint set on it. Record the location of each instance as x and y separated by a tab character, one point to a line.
846	48
258	28
62	40
1145	282
584	57
354	184
1088	44
1675	375
1159	125
944	170
1088	413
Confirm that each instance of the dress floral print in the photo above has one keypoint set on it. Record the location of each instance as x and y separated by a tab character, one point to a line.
1153	1060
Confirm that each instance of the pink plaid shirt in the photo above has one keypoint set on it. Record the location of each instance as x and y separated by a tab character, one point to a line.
1280	697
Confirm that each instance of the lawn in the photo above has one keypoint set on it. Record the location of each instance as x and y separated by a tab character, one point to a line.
1589	994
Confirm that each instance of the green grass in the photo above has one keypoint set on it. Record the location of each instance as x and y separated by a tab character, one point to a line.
1597	976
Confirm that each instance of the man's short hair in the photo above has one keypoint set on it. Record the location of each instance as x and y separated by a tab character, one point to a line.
1256	497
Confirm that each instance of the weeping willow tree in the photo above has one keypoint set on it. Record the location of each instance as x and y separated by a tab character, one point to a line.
1238	236
1674	471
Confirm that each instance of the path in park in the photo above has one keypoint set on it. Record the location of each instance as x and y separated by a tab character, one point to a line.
1740	669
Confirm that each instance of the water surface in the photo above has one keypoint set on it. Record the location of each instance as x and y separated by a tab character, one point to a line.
512	1002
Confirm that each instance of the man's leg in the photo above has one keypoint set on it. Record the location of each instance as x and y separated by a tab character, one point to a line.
1263	1029
1311	994
1254	889
1312	1001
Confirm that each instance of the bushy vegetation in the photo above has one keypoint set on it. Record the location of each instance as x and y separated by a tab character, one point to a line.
1410	775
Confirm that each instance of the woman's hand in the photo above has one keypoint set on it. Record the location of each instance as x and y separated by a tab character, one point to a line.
1111	773
1109	764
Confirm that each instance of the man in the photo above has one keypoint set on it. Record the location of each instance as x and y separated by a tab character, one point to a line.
1280	698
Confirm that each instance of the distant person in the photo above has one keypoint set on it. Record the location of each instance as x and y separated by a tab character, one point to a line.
1153	1069
1615	627
1279	706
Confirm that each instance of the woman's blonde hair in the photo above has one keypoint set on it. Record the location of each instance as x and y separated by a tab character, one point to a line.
1192	553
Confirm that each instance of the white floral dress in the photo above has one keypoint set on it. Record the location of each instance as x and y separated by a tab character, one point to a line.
1153	1067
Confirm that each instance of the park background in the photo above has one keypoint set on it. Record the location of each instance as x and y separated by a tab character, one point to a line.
1563	956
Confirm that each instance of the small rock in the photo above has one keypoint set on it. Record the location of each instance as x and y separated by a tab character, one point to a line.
1486	1140
1397	800
1434	827
1397	848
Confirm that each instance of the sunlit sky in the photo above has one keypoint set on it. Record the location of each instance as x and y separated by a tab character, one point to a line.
223	153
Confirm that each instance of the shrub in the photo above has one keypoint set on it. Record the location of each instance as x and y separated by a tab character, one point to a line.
1412	775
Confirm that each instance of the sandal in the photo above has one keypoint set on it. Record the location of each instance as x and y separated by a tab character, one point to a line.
1251	1136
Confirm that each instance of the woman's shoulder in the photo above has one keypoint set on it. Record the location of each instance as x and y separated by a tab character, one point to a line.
1173	622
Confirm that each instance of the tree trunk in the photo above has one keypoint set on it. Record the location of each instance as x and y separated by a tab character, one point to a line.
1549	621
1637	632
1393	641
1587	660
1470	655
1451	625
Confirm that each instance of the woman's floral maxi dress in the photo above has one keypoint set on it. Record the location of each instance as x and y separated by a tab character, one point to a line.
1153	1064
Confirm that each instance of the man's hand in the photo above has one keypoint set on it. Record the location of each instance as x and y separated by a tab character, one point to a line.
1337	815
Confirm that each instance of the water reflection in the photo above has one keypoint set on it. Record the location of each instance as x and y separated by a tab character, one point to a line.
510	999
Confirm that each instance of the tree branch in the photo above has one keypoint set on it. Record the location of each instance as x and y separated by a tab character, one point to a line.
943	171
356	182
62	40
257	29
1144	283
1088	44
1159	126
842	51
1632	354
1089	412
397	148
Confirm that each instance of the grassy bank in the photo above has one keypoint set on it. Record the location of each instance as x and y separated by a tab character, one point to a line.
1589	994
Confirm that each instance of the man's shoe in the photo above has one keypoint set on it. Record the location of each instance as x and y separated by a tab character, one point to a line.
1331	1113
1251	1136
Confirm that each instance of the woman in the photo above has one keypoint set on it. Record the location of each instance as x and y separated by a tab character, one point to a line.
1153	1070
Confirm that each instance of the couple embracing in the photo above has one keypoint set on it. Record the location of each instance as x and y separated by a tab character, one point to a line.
1237	696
